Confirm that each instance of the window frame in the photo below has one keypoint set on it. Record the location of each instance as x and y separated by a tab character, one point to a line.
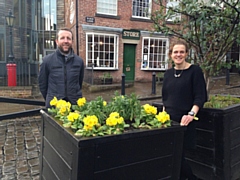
149	10
98	62
146	55
111	14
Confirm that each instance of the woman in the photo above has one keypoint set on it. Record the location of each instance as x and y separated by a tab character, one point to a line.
183	94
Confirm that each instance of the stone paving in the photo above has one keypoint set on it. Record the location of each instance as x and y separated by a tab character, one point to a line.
20	147
20	138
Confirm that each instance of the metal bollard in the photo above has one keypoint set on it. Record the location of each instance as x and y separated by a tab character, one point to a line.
123	85
154	83
92	73
227	76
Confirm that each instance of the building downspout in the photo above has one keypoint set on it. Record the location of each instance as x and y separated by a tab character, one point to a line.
77	44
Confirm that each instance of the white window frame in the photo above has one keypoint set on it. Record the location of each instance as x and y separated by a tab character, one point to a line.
176	16
102	54
108	7
154	58
135	9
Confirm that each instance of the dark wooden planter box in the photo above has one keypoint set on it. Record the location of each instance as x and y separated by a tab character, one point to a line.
217	155
138	154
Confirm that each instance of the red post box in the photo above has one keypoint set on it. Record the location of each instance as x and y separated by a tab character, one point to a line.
12	76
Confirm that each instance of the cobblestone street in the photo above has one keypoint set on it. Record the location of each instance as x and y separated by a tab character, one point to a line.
20	147
20	138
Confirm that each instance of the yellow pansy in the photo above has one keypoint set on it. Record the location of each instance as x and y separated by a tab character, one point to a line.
54	101
81	101
150	109
104	103
72	116
163	117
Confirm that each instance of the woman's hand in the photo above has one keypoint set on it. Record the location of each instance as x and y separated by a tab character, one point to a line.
186	119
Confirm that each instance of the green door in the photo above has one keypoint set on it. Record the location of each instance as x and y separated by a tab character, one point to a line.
129	62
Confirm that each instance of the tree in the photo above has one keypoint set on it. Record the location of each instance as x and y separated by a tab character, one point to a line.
209	26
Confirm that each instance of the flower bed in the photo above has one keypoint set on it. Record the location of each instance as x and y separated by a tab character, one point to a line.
99	118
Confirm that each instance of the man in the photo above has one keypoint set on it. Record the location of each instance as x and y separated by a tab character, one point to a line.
61	73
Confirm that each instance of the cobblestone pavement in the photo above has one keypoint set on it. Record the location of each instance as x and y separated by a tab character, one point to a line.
20	138
20	147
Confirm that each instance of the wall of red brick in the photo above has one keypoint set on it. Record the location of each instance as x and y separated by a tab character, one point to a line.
125	21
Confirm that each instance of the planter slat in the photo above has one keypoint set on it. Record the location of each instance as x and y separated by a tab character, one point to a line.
130	155
138	154
60	168
205	139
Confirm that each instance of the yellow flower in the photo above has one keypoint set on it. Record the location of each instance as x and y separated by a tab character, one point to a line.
114	115
90	121
163	117
62	103
150	109
73	116
104	103
62	110
120	120
114	119
81	101
87	128
111	121
54	101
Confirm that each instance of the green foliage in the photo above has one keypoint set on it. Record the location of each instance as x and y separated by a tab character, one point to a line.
160	74
99	118
127	106
210	27
219	101
106	75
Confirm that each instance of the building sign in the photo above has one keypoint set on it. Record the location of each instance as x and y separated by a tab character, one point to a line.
131	34
90	19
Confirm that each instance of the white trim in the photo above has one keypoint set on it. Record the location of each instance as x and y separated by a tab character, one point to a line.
98	61
162	63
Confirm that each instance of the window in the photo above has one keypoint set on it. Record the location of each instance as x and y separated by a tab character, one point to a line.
154	53
141	8
102	51
173	16
108	7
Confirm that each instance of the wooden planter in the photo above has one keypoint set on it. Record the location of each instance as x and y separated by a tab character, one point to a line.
138	154
217	155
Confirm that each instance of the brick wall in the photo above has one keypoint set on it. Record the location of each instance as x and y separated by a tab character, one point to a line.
16	92
88	8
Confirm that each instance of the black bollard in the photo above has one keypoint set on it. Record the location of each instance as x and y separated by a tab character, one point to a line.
154	83
227	76
92	73
123	85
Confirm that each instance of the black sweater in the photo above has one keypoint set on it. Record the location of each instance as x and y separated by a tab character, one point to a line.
180	94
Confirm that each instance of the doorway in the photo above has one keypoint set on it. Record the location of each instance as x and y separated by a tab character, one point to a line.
129	62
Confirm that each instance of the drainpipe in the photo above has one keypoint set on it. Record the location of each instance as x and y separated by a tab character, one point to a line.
77	28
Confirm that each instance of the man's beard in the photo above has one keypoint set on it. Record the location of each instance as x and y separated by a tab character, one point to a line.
64	51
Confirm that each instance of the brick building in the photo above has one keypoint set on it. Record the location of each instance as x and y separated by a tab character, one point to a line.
116	37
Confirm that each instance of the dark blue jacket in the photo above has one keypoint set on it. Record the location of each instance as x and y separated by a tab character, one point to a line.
61	78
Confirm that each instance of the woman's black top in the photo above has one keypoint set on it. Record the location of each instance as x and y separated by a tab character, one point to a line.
179	94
